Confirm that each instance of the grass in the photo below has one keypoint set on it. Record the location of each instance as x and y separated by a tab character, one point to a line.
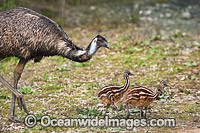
86	112
63	88
26	90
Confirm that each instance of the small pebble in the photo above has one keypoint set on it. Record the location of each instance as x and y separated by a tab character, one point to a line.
176	110
100	105
197	102
148	12
186	15
183	78
198	93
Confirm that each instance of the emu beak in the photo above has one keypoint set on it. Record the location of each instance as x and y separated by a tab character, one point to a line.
105	45
131	74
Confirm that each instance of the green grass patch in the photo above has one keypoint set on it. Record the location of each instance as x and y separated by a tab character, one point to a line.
26	90
63	69
115	46
53	86
85	112
4	97
45	76
191	64
93	86
191	108
127	59
144	43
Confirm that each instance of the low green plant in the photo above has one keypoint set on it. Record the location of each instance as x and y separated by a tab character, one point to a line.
83	64
93	86
4	97
127	59
39	115
145	43
191	64
158	37
45	76
26	90
187	92
88	112
63	69
115	46
76	85
178	35
180	90
53	86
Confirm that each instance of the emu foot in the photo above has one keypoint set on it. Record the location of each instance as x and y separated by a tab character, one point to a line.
120	116
104	116
141	114
128	114
21	103
14	119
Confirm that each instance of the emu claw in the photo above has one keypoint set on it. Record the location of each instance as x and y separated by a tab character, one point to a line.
104	116
14	119
120	116
21	103
127	115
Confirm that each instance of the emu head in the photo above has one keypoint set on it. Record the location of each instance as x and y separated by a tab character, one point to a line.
127	73
96	43
101	41
163	84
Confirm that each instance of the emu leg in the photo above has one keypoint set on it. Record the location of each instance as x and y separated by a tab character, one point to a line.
106	110
21	102
145	115
17	75
141	112
15	92
128	113
117	110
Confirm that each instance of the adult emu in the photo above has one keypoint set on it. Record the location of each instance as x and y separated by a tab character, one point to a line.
28	35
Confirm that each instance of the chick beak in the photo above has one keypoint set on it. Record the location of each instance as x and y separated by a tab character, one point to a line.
131	74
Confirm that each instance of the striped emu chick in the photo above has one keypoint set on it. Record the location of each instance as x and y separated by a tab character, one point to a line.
111	94
142	97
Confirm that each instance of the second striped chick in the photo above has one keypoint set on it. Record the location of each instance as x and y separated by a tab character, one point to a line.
142	97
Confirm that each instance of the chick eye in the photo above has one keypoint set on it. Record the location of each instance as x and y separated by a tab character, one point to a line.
98	41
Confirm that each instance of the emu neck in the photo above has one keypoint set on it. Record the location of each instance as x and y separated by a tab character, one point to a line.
77	54
92	48
127	84
156	95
